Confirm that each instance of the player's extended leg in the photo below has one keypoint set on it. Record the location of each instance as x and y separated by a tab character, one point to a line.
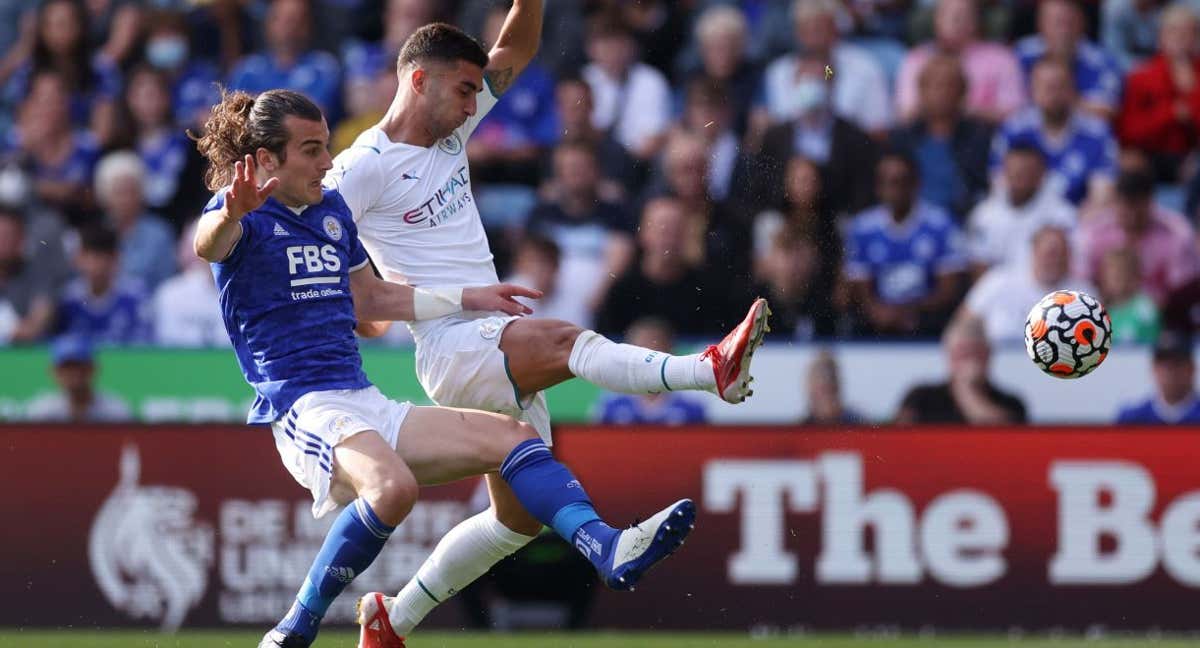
442	444
543	353
380	490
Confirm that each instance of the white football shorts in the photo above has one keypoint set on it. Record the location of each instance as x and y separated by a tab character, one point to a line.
460	364
318	421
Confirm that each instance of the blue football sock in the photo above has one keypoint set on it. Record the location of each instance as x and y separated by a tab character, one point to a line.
549	491
356	537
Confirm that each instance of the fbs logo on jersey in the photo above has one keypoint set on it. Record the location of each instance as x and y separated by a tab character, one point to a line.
450	145
333	229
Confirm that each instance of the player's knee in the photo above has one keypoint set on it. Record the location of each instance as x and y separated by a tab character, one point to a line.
392	496
563	339
509	433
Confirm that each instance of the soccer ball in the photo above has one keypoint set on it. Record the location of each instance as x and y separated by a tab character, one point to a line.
1067	334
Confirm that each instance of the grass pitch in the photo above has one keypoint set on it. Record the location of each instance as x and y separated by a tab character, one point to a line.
222	639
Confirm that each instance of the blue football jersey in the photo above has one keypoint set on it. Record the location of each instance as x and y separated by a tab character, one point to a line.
285	299
1085	150
903	260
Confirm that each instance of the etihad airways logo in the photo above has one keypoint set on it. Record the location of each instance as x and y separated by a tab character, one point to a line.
453	196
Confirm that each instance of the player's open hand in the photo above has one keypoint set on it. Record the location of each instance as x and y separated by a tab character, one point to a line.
500	297
244	195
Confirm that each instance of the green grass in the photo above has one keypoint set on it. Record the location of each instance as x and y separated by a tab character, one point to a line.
221	639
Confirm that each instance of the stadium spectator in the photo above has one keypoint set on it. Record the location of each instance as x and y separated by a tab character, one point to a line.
289	62
1001	298
950	147
1182	310
1079	149
169	158
994	87
367	100
792	274
660	27
968	396
717	235
516	134
859	87
707	115
60	46
905	259
841	150
1160	113
722	57
802	205
1000	229
1163	239
1175	401
595	236
537	264
191	78
662	282
1094	74
186	311
824	386
632	99
365	61
77	399
18	30
98	304
622	174
1128	29
665	408
27	292
120	180
1133	313
59	158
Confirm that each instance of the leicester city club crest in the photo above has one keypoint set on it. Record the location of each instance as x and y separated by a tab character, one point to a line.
450	145
333	229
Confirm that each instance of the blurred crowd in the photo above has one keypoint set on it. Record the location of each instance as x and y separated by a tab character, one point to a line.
882	169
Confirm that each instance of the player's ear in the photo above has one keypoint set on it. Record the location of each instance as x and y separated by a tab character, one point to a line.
266	160
418	78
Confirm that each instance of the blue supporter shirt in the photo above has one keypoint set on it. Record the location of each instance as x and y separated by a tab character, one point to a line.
315	74
285	299
669	409
120	317
1086	149
903	260
194	91
1153	411
525	114
1097	75
165	155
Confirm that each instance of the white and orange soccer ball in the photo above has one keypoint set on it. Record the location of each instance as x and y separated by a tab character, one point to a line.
1068	334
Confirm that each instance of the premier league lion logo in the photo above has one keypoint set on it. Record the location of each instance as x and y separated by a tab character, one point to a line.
148	556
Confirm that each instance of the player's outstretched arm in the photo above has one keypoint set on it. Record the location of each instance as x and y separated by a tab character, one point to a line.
514	49
220	229
377	300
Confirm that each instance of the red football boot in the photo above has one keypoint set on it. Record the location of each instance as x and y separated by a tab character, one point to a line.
731	358
377	629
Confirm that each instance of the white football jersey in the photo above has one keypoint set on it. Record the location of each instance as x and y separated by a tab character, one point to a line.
414	208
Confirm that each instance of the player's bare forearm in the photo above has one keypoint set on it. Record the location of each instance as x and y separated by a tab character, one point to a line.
371	329
378	300
216	234
517	44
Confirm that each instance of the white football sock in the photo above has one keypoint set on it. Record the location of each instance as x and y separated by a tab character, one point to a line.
465	553
636	370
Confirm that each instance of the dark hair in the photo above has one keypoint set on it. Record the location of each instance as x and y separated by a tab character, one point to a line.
707	92
608	24
1026	146
79	76
949	61
98	238
1051	61
904	155
242	124
542	245
1135	184
576	144
441	42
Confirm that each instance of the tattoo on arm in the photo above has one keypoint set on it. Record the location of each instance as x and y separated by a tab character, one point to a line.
499	80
